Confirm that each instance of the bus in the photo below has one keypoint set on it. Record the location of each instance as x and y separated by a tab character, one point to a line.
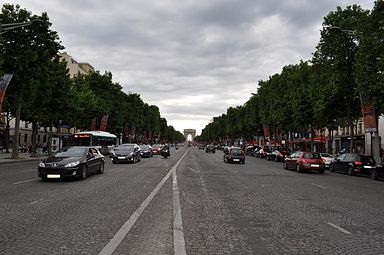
104	141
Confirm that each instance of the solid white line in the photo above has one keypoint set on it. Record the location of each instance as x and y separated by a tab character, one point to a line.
123	231
317	185
193	170
30	180
178	232
339	228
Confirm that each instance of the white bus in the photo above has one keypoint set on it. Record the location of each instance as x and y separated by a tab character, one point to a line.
104	141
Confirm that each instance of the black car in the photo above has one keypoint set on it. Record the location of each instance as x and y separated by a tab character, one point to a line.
277	155
353	163
75	162
146	151
234	155
210	148
126	153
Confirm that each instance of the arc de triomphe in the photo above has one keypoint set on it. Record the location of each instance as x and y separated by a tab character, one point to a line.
191	132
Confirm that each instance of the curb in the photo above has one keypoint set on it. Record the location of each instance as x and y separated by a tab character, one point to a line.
15	161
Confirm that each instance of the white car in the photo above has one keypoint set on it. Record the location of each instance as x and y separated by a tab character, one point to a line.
327	158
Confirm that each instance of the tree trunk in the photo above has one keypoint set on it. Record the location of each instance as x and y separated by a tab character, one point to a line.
7	129
15	145
350	126
35	130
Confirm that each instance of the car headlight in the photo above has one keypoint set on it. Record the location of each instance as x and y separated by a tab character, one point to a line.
73	164
41	164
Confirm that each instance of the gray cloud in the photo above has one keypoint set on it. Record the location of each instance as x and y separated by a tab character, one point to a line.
192	58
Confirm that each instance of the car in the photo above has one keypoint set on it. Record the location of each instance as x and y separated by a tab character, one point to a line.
234	155
353	163
72	162
156	149
201	146
146	151
327	158
301	161
126	153
277	155
249	150
210	148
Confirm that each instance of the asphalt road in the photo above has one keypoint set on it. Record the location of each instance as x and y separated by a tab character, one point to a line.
190	203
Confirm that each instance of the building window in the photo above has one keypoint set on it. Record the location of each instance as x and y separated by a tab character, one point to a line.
44	138
25	138
26	124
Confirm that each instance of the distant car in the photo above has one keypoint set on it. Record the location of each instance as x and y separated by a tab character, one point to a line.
249	150
262	153
234	155
156	149
146	151
210	148
277	155
126	153
72	162
301	161
353	163
327	158
201	146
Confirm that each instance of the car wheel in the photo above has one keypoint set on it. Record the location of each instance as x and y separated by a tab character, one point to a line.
331	168
298	168
83	172
373	174
321	171
350	171
101	170
276	159
285	166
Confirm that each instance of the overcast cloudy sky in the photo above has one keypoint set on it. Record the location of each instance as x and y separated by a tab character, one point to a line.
192	58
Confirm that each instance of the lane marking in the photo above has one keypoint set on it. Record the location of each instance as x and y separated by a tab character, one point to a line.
178	231
35	202
123	231
30	180
193	170
317	185
339	228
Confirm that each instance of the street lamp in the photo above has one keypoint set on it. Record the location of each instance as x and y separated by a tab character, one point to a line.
10	26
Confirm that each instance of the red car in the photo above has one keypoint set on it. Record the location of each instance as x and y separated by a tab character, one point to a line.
156	148
304	161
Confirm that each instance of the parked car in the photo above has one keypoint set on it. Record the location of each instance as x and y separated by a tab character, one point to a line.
353	163
327	158
72	162
210	148
249	150
146	151
234	155
156	149
126	153
277	155
304	161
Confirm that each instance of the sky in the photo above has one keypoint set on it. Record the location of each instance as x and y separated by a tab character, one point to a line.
191	58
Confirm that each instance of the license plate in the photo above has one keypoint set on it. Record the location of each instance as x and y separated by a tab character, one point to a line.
121	157
315	165
236	159
54	176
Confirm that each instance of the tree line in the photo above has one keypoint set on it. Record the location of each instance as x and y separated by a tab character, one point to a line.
327	91
43	93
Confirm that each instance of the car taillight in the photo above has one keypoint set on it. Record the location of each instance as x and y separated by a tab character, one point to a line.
358	163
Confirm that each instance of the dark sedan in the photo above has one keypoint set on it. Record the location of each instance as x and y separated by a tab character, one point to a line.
210	148
352	163
234	155
277	155
126	153
75	161
146	151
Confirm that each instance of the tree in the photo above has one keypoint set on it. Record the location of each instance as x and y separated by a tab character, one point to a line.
25	49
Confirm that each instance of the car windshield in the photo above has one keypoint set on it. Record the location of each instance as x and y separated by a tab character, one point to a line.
311	155
236	152
71	152
144	147
125	149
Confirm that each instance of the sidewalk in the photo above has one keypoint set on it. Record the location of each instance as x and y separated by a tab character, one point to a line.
5	158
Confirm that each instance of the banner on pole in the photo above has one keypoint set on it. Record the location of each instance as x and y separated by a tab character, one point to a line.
103	123
4	82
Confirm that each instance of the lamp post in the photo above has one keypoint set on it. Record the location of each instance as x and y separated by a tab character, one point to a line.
10	26
368	111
